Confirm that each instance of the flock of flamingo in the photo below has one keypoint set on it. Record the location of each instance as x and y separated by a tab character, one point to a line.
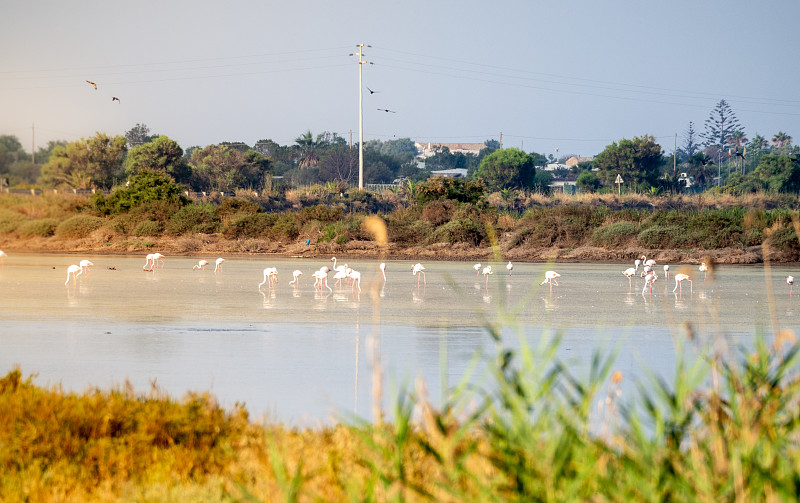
343	273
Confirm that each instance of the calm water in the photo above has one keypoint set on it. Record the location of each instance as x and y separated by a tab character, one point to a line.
303	356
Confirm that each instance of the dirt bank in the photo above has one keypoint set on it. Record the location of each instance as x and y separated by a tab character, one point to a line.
216	245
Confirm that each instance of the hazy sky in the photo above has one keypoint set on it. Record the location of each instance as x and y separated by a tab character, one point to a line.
567	75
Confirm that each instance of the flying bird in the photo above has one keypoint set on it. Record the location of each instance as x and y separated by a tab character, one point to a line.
387	110
371	91
114	98
93	84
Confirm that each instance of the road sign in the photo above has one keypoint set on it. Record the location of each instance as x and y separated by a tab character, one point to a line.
619	183
619	179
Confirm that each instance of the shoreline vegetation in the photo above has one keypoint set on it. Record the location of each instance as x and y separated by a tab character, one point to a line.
432	225
725	430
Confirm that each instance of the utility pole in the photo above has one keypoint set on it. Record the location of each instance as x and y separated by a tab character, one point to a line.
675	157
33	145
501	140
361	62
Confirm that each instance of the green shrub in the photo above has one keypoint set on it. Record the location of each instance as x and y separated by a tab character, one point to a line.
613	234
663	236
44	227
460	231
438	212
337	232
147	228
10	220
250	225
286	227
232	207
321	213
79	226
784	239
147	185
194	219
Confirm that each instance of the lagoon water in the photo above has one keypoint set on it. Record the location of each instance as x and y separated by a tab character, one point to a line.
303	356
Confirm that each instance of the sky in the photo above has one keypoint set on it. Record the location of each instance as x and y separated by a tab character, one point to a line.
554	77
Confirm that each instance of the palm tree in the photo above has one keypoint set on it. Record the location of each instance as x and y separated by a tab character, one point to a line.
737	139
781	139
758	142
308	150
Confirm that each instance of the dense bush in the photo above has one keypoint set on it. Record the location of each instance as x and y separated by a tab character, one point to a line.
145	186
286	226
784	239
457	189
460	231
321	213
250	225
663	236
438	212
147	228
79	226
614	234
195	218
44	227
10	220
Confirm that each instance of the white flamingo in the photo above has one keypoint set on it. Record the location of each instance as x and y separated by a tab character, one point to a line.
637	263
296	277
790	282
321	278
666	271
417	270
218	264
75	271
201	265
355	276
148	261
382	267
339	275
339	267
158	260
2	257
510	267
271	275
629	273
550	277
679	279
649	280
477	268
85	265
704	269
487	271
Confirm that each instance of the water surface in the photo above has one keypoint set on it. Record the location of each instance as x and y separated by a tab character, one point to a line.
301	355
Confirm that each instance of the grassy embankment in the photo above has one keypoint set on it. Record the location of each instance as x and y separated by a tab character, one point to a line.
727	429
526	226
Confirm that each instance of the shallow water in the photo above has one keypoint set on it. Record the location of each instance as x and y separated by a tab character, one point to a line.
302	355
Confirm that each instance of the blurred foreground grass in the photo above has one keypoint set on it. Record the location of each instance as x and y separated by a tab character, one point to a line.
727	429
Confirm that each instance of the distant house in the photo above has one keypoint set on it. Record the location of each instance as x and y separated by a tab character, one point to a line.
425	150
567	185
574	160
450	173
554	166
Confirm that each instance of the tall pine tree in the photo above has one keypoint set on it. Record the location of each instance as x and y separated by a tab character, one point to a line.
721	123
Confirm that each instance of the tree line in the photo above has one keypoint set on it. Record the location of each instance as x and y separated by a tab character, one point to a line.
720	158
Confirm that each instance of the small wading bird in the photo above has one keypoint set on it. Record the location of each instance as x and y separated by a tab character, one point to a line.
649	280
92	84
75	270
271	275
296	277
679	279
419	270
704	269
790	282
85	265
201	265
629	273
114	98
510	267
218	265
550	277
487	271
